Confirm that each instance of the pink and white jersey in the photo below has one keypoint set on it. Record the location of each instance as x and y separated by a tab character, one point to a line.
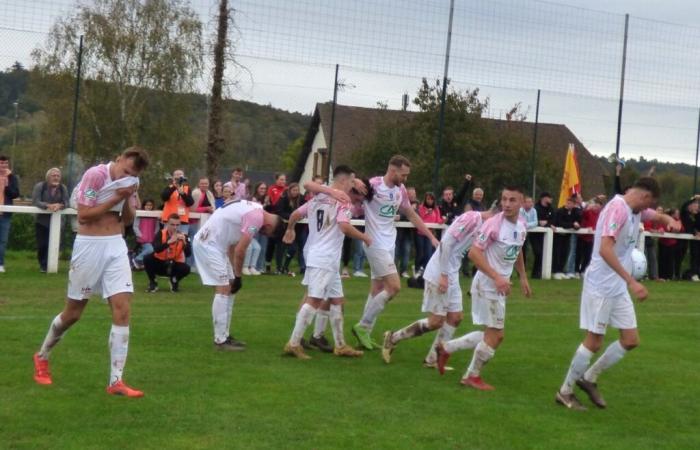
96	187
616	220
380	213
463	230
228	223
501	241
325	241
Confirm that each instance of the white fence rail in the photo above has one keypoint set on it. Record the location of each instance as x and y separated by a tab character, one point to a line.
547	247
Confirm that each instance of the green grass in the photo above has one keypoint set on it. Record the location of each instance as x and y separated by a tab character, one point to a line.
199	398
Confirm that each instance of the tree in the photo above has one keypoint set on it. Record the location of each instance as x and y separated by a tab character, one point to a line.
215	140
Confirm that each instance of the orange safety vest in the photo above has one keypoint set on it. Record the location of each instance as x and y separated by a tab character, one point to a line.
174	251
176	206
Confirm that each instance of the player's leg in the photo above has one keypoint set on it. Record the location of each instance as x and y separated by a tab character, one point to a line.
341	348
453	317
579	363
304	317
318	338
483	353
120	305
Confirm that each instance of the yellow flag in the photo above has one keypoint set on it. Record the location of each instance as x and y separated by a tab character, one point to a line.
570	181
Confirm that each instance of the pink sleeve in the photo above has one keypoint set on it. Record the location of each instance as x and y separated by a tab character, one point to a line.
344	214
488	233
251	222
464	225
303	210
405	204
92	182
648	214
615	218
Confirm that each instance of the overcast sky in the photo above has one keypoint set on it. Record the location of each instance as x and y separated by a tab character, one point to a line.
507	48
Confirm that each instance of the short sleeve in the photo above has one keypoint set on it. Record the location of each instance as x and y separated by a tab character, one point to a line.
303	210
615	218
648	214
343	214
92	182
405	203
464	225
488	233
251	222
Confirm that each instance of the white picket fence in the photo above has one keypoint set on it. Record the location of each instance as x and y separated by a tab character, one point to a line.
548	244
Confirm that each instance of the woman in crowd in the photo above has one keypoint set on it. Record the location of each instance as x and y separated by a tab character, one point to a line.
260	196
671	252
218	194
145	229
430	213
290	200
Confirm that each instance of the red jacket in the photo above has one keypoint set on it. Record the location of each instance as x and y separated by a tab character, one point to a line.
275	192
430	215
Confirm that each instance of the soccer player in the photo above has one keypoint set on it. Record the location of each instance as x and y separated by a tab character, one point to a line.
605	299
442	295
495	252
329	223
219	249
387	197
105	199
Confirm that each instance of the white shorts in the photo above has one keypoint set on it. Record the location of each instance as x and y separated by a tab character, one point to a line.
381	262
213	265
440	304
488	307
99	264
323	284
598	312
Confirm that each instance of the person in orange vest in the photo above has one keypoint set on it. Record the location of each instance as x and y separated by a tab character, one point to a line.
170	247
177	199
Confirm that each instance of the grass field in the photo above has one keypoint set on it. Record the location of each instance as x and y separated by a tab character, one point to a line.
199	398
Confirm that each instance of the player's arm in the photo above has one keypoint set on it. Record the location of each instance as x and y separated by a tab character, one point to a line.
337	194
477	256
236	254
607	252
353	233
129	211
669	222
92	213
294	217
522	273
415	219
445	248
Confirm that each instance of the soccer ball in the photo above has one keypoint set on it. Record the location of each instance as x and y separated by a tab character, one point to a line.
639	264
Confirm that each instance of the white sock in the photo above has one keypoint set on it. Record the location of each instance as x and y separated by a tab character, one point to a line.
304	318
579	364
466	342
336	316
373	308
54	335
118	349
417	328
444	334
482	354
321	322
612	355
230	299
221	309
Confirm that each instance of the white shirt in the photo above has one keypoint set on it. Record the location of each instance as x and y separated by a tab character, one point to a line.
616	220
96	187
228	223
501	241
325	241
380	213
457	239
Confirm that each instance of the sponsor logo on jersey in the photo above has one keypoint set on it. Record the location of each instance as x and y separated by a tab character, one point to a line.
90	194
512	253
252	230
387	211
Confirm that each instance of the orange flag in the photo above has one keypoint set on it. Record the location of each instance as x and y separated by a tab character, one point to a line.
570	182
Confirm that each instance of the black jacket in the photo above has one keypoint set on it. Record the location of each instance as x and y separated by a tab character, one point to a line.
544	213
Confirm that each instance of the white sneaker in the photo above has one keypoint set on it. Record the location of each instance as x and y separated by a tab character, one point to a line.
577	275
693	278
359	274
405	275
246	271
558	276
253	271
569	276
2	270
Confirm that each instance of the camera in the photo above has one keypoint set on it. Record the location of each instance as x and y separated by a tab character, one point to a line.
181	180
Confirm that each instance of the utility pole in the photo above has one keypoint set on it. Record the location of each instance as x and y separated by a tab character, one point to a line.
215	141
14	141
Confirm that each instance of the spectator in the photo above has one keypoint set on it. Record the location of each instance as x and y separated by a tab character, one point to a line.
226	194
145	229
691	222
459	198
671	252
449	207
429	212
52	196
570	266
239	188
204	202
218	194
475	203
529	215
290	200
276	190
260	196
177	199
567	217
170	247
544	217
650	244
275	246
584	243
9	190
406	236
309	195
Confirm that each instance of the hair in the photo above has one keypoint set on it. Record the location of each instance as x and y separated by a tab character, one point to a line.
293	202
342	170
4	158
148	200
255	191
448	188
370	191
478	190
545	194
278	175
138	155
173	216
237	169
399	161
426	196
513	188
648	184
48	172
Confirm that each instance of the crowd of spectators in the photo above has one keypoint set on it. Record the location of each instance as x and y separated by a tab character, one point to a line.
162	246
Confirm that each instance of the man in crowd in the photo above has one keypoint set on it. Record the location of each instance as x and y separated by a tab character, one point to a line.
528	214
567	217
690	217
52	196
605	299
329	222
494	253
544	218
219	247
106	200
9	190
170	248
238	186
177	199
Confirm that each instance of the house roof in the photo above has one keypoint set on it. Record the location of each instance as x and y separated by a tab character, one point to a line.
355	126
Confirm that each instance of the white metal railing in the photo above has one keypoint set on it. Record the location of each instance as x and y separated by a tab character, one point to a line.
547	246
